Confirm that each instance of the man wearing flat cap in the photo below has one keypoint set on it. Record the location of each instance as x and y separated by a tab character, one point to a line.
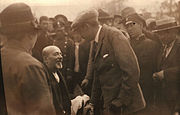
115	67
146	51
25	79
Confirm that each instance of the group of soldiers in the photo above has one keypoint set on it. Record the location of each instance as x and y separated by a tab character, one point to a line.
96	64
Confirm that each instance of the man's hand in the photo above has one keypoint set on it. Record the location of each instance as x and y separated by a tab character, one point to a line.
158	75
176	113
85	82
88	108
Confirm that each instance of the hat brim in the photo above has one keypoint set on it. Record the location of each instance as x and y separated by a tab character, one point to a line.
165	29
20	27
105	18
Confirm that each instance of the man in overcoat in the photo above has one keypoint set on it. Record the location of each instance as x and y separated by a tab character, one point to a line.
25	78
168	67
116	71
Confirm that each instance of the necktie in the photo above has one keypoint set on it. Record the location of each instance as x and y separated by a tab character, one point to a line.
76	68
165	48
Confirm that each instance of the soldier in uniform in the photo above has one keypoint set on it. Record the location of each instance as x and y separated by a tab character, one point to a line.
66	44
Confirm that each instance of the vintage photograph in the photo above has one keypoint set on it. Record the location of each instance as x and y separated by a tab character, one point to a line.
90	57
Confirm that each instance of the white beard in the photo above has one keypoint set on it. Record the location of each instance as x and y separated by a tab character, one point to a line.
59	65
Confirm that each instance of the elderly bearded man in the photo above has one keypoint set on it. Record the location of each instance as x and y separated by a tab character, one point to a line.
116	70
52	58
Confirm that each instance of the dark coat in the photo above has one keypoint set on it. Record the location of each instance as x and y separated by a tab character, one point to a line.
60	92
146	51
84	48
170	91
116	71
25	82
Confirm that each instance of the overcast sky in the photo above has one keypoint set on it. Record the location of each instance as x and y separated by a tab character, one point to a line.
72	7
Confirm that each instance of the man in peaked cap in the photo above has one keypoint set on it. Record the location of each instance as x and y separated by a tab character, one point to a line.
25	80
146	51
115	74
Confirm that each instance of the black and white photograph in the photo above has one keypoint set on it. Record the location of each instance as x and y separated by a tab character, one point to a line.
90	57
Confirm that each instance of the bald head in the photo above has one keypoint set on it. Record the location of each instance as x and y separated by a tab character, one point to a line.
52	57
47	50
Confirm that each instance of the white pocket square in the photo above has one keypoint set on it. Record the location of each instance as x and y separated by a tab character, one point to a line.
105	55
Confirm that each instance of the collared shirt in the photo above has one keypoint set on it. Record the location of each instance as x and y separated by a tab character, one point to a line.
76	68
97	34
56	76
168	48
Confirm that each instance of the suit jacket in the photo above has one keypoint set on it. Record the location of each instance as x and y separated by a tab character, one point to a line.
169	90
116	71
25	82
61	98
171	82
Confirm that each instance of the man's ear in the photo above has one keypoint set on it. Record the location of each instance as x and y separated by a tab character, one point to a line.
45	59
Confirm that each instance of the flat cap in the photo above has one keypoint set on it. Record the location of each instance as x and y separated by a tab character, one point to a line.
84	17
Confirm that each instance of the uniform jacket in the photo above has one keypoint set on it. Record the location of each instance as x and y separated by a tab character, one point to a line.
67	47
116	71
25	82
146	51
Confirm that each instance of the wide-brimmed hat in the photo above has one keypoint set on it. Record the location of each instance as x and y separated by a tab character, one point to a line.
167	23
17	18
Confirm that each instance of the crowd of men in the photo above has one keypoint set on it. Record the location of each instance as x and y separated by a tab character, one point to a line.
96	64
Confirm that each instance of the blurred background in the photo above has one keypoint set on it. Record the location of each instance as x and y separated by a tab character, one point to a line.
70	8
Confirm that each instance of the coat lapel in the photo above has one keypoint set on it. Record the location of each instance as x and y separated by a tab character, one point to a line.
173	51
100	42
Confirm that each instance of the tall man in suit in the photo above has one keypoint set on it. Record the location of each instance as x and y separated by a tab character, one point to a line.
25	78
116	70
168	67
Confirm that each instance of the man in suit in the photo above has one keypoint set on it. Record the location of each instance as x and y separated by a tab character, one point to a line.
52	57
116	70
168	71
25	78
146	51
